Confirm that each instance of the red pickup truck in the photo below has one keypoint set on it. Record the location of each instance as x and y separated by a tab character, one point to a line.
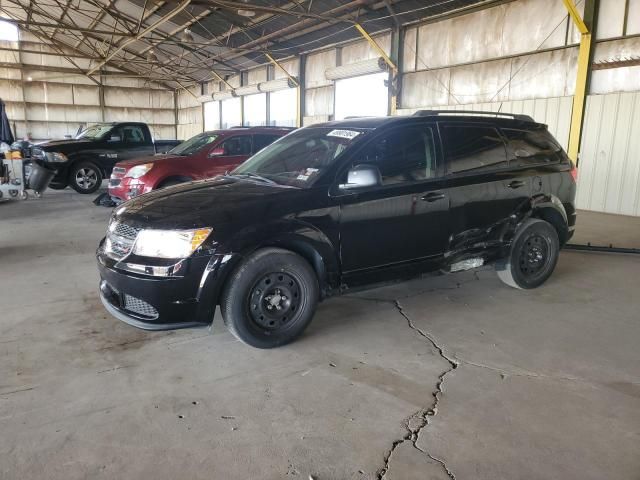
206	155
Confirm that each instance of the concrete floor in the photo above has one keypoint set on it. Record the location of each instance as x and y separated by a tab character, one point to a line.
449	377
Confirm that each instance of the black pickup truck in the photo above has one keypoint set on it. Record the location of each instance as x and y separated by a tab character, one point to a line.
84	161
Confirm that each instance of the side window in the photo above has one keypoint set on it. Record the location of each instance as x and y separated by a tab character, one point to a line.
239	145
132	134
402	155
261	141
530	147
472	148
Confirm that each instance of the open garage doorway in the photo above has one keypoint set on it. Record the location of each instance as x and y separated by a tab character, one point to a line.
363	96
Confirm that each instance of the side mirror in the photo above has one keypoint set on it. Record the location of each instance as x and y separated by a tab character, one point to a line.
114	138
362	176
216	152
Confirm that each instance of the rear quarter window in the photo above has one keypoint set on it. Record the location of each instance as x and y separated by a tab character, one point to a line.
471	148
532	147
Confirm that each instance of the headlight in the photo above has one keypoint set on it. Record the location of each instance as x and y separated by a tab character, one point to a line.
55	157
139	170
170	243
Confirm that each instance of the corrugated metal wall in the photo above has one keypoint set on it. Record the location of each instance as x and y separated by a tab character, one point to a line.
609	168
46	101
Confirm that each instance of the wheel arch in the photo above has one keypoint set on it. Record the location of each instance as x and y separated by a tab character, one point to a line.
168	178
305	240
550	209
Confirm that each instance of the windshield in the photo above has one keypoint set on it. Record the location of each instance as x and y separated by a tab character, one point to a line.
298	159
193	145
96	131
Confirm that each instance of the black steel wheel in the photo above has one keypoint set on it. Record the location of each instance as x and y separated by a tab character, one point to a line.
533	256
85	177
270	298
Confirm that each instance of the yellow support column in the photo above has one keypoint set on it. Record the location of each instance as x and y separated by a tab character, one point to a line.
582	76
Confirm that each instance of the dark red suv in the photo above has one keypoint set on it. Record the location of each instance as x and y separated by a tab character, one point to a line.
206	155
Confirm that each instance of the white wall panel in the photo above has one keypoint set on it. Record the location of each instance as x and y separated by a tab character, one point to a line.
292	66
426	88
609	167
10	73
15	110
319	101
257	75
11	90
361	50
409	50
316	66
610	18
86	95
633	17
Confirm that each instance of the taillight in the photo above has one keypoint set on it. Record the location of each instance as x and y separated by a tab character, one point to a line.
574	173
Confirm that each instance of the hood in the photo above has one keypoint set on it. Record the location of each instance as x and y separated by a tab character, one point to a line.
63	145
147	159
209	203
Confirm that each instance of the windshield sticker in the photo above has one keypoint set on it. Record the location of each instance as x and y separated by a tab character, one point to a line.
348	134
307	174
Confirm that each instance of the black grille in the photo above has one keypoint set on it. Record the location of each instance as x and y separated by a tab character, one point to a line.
120	240
139	307
114	182
126	231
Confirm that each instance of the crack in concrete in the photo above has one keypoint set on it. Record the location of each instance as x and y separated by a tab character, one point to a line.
419	420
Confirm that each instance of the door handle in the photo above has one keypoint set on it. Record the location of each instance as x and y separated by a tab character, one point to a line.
433	196
516	184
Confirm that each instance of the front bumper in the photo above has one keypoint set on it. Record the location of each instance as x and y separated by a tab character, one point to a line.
126	188
163	303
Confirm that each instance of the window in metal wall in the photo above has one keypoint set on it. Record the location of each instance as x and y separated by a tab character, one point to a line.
231	113
8	31
255	110
211	116
282	108
364	96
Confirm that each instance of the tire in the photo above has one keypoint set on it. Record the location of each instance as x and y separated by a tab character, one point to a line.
85	177
533	255
270	298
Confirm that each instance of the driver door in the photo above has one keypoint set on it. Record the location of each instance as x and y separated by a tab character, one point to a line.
400	225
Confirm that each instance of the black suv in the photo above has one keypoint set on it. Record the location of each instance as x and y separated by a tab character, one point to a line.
339	206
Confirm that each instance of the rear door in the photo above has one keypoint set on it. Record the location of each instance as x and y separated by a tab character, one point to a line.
235	150
402	224
484	189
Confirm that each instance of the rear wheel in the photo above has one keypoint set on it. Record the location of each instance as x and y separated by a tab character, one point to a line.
533	255
85	177
270	298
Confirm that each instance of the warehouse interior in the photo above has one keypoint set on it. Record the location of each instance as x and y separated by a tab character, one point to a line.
448	377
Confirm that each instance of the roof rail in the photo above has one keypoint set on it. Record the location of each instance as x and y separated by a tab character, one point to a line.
478	113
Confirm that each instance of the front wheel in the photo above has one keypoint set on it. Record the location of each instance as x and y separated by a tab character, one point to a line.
533	255
270	298
85	177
